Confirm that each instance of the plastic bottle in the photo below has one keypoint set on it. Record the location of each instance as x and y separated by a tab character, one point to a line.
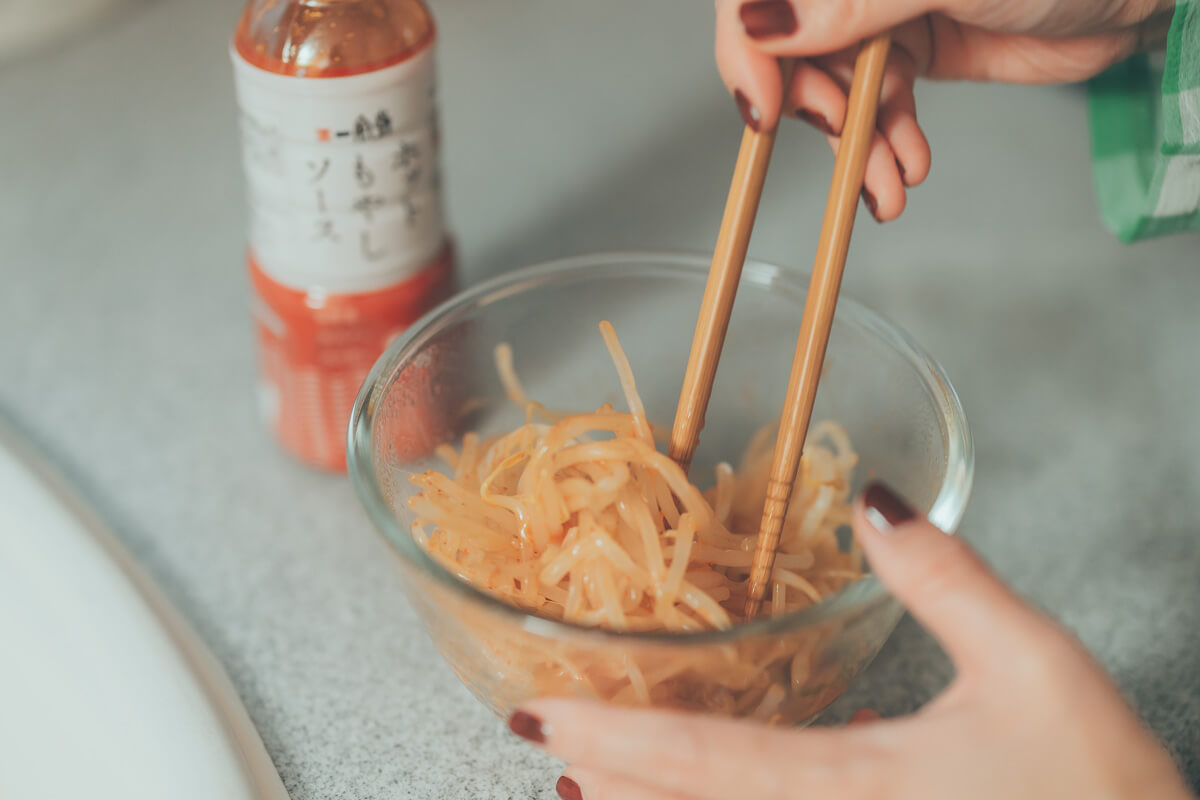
347	238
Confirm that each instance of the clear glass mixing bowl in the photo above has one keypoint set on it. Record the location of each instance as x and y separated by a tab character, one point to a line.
438	380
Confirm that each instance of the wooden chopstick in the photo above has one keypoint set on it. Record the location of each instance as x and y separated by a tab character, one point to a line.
729	255
844	191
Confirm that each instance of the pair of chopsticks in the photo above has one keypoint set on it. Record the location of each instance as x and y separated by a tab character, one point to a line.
717	304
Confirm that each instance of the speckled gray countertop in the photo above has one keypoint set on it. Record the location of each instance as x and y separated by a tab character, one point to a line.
574	127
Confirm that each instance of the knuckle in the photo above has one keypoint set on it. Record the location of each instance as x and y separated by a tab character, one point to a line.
858	15
694	749
862	778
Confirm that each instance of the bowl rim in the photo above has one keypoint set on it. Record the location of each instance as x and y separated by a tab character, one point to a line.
946	512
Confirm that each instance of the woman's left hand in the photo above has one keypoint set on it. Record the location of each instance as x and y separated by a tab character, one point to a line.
1029	714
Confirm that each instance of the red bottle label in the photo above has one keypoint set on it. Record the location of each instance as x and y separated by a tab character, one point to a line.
316	349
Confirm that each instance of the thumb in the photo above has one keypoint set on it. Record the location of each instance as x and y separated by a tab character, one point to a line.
941	580
818	27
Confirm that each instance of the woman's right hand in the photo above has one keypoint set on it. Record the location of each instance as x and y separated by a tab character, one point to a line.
1015	41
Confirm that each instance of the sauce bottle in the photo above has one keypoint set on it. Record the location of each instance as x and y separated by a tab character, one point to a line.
347	236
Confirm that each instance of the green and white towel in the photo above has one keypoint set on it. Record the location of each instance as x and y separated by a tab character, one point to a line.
1145	122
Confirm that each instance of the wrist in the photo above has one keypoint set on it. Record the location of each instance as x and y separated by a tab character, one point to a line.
1152	31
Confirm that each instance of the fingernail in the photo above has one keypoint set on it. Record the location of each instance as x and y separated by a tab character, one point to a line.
527	726
749	112
884	509
864	716
764	19
872	204
903	176
815	119
568	789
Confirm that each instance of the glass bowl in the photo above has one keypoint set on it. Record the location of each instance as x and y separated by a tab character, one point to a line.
438	380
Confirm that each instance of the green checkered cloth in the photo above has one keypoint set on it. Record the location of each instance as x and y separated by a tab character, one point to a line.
1145	123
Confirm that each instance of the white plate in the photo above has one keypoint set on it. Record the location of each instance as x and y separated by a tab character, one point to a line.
105	692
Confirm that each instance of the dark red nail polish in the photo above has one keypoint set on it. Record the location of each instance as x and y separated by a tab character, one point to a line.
764	19
864	716
872	204
885	509
527	726
568	789
817	120
903	176
749	112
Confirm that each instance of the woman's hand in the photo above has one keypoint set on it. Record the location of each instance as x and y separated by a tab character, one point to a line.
1016	41
1029	715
